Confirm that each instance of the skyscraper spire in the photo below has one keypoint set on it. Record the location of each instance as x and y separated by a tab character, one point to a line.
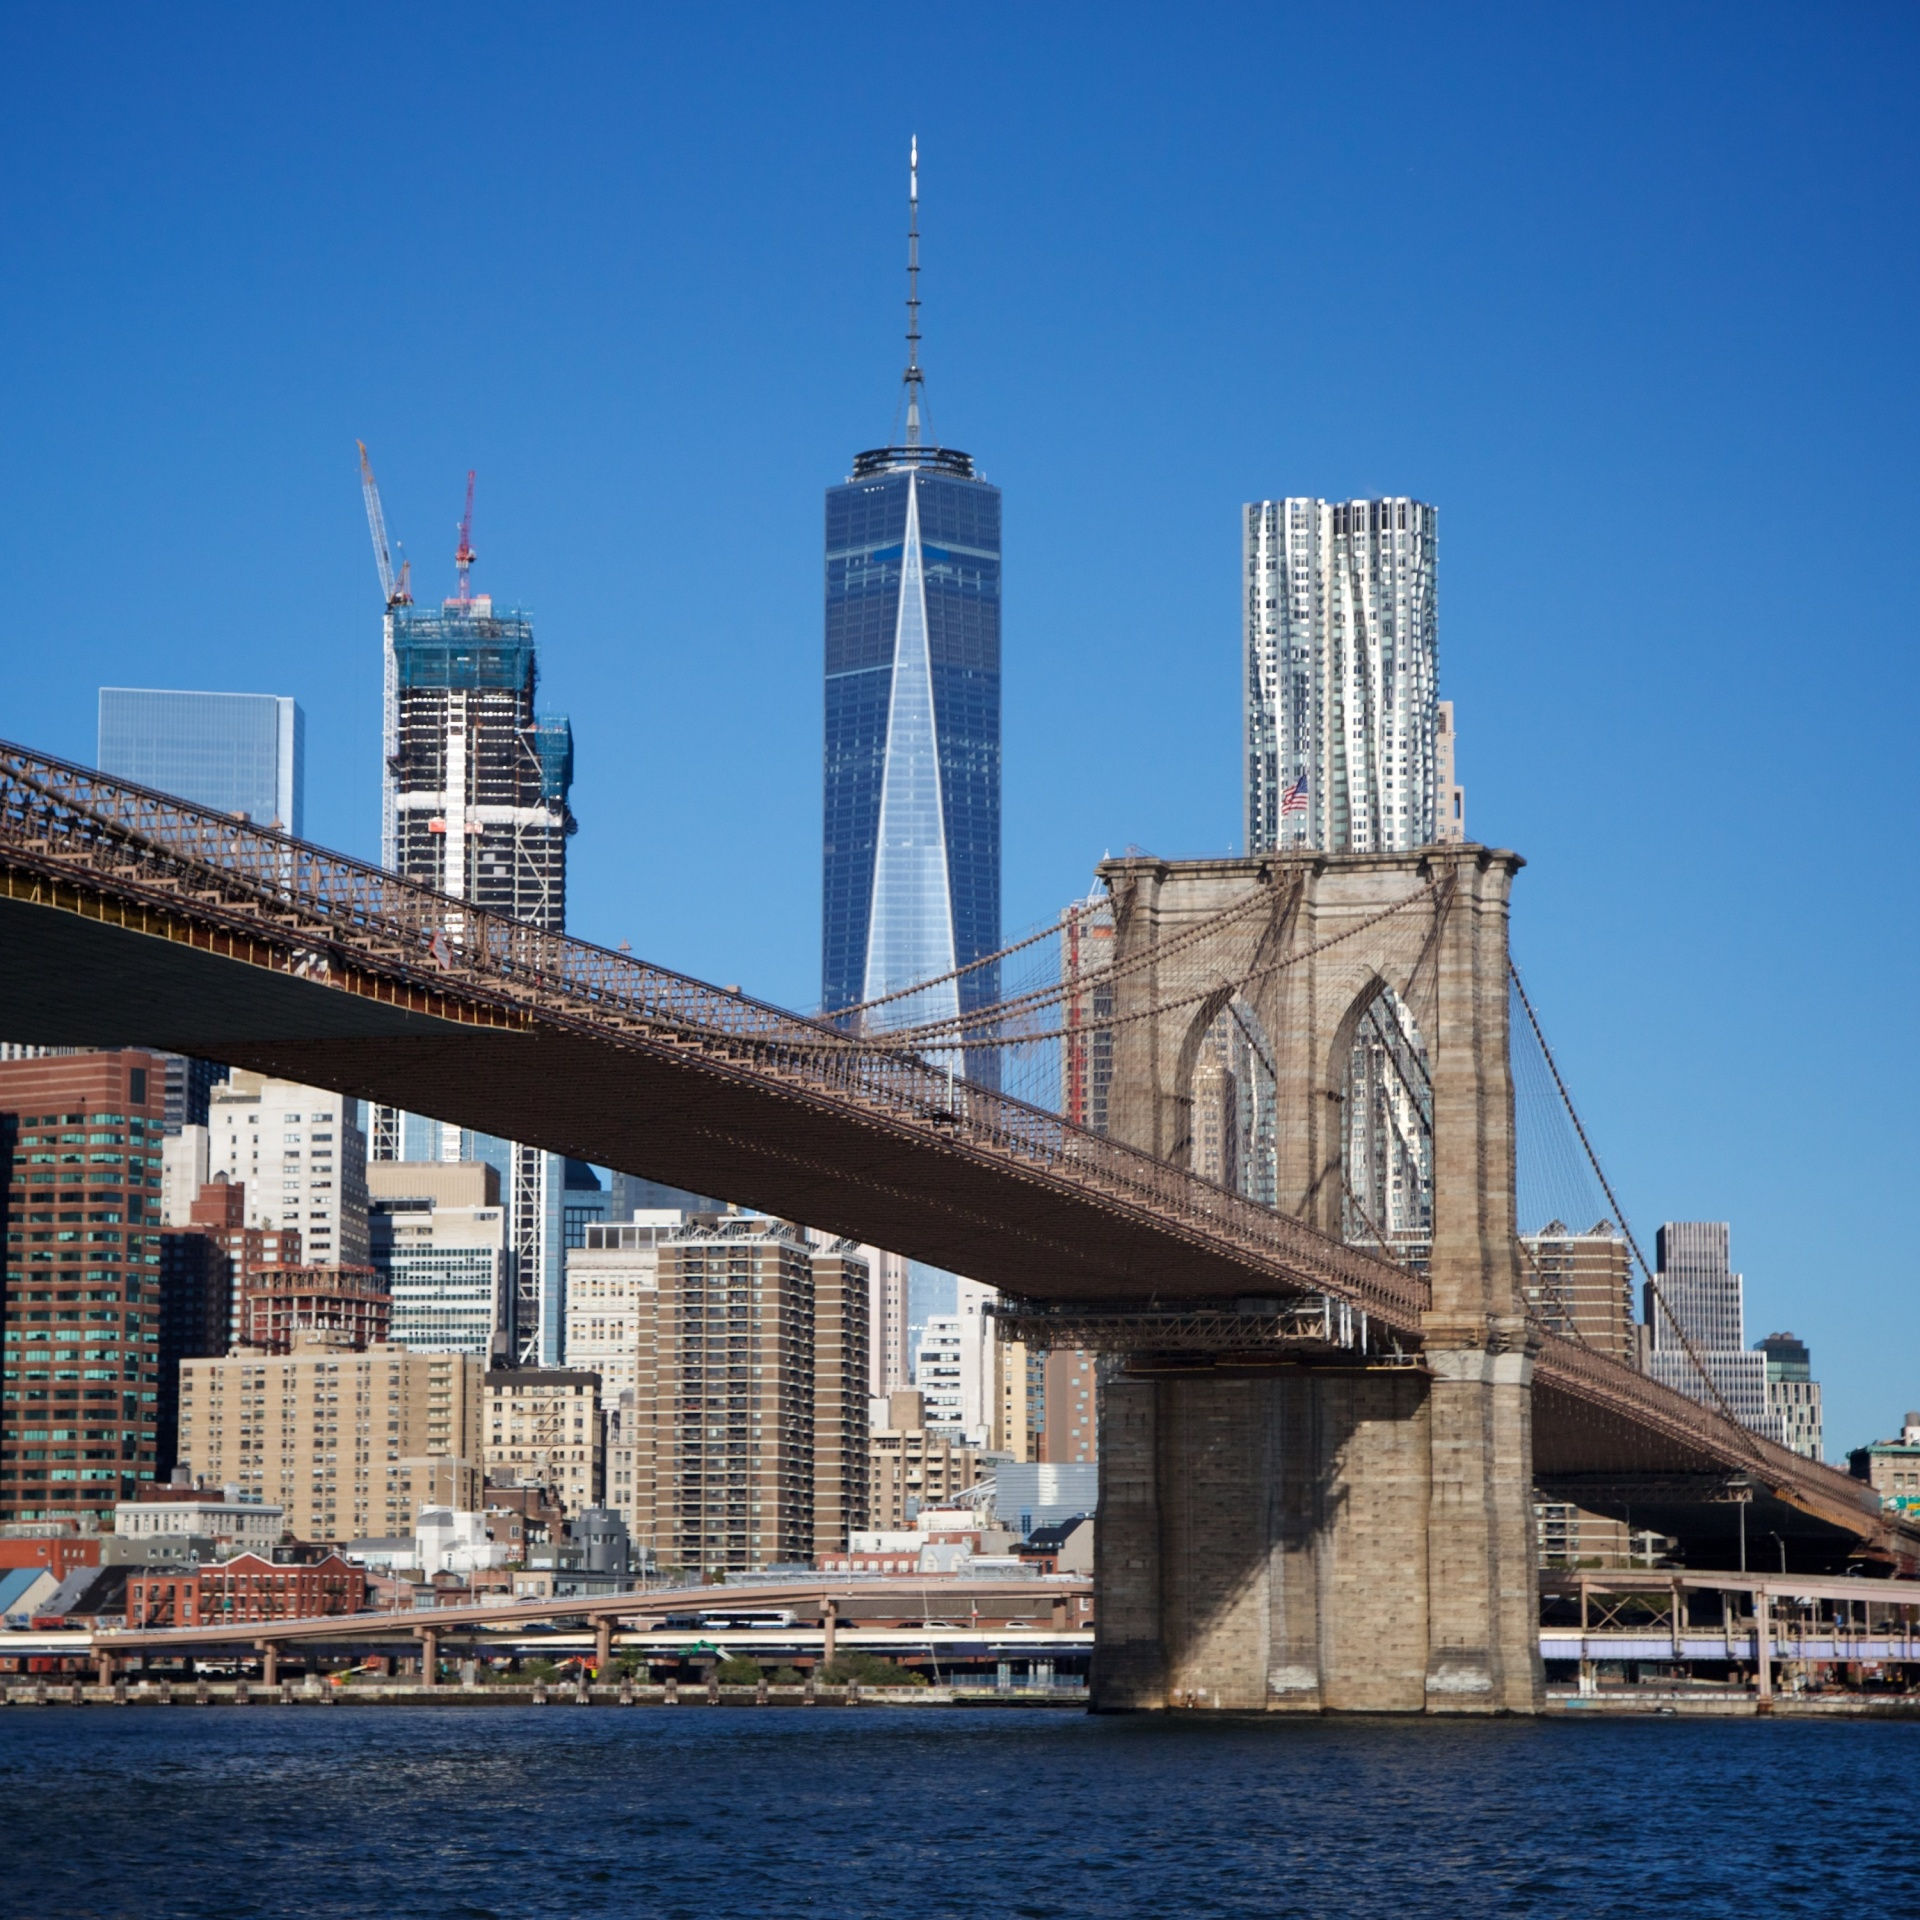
914	377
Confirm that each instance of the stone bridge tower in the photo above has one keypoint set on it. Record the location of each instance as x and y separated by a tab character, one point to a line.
1333	1534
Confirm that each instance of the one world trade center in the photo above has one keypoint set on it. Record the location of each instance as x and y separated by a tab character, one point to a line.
912	773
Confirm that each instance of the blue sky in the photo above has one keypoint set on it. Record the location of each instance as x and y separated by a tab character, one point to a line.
1629	293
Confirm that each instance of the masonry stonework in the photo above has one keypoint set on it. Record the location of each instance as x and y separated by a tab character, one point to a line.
1353	1536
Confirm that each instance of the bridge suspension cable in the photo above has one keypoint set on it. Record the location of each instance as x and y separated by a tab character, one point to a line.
1654	1289
972	1029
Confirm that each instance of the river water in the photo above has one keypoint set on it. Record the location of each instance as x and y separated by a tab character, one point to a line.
517	1812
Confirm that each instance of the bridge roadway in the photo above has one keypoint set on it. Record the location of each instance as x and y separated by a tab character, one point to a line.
129	918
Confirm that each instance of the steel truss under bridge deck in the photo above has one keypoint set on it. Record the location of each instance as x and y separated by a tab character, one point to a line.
128	917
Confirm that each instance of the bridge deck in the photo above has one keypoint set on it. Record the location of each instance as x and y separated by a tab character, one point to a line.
129	918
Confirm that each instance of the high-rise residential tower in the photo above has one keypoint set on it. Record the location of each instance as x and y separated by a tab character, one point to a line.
912	769
238	753
474	803
1340	664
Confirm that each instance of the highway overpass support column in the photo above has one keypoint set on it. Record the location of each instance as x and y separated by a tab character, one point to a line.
1344	1537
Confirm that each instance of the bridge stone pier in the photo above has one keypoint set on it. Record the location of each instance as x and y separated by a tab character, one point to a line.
1348	1531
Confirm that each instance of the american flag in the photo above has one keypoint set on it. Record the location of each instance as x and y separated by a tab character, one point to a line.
1294	800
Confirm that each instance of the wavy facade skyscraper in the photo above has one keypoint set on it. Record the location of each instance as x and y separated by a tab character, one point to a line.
1341	669
911	868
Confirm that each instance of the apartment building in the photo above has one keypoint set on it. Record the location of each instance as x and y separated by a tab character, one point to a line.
544	1424
912	1465
350	1443
302	1157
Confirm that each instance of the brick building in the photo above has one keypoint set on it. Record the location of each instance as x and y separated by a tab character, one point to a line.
1070	1419
80	1149
247	1587
282	1301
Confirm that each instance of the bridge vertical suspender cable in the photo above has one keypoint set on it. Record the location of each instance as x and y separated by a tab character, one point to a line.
1619	1213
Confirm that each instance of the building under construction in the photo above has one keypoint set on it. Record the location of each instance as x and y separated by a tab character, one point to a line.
476	782
474	789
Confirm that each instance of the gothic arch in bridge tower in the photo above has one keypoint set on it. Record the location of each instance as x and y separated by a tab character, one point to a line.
1330	1534
1228	1092
1386	1136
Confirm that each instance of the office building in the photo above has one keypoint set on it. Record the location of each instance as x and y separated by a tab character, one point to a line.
911	875
1892	1468
1450	796
475	804
79	1283
167	1511
237	753
913	1464
188	1081
196	1320
1793	1394
438	1238
1044	1494
1581	1284
584	1203
1695	1316
1341	646
629	1197
351	1444
302	1158
939	1373
543	1425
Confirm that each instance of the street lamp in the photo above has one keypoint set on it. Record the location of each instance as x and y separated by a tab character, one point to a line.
1740	1491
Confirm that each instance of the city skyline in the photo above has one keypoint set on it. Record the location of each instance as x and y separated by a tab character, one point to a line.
1545	391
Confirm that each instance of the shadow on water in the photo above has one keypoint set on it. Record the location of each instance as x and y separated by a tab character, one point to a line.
525	1813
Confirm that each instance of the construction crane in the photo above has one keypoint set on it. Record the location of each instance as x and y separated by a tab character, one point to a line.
394	586
464	555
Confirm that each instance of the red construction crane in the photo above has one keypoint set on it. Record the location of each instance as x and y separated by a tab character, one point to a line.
464	555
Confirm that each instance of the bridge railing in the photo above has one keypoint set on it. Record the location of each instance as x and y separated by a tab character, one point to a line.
326	910
1603	1380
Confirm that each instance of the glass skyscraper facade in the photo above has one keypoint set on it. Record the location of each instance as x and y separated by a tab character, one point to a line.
912	774
233	752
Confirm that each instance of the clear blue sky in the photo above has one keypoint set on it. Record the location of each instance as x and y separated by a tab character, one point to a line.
1628	292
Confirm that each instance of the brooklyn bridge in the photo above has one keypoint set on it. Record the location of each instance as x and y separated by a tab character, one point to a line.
1318	1458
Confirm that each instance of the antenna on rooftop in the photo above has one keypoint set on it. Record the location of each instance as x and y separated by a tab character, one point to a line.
915	379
